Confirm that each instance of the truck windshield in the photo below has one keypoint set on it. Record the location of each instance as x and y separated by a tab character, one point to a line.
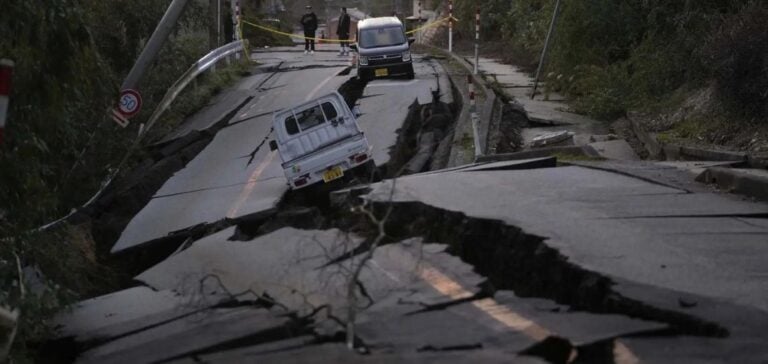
310	118
381	37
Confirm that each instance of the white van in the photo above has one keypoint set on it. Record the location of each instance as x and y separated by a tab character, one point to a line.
382	49
320	141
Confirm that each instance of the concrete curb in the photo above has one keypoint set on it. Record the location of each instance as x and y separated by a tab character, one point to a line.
486	109
584	150
737	181
654	148
677	152
669	151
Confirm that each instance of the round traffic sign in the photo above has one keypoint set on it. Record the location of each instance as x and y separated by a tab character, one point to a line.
129	103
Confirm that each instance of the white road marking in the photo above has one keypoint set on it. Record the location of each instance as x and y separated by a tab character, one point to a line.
319	86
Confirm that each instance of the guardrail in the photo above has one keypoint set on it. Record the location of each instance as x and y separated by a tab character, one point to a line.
203	64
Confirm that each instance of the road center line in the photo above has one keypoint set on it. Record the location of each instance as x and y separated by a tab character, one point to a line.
248	189
505	315
318	87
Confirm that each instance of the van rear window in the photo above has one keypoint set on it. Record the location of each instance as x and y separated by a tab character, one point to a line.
381	37
310	118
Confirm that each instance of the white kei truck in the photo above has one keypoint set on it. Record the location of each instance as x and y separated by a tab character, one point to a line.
320	141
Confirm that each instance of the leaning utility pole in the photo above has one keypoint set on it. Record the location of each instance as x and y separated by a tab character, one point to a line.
546	47
155	43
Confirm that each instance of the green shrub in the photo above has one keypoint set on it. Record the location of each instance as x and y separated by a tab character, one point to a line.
616	55
601	92
71	56
737	56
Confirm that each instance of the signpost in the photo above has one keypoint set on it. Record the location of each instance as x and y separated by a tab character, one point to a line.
6	70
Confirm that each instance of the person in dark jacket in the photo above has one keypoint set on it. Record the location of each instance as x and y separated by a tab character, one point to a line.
343	32
309	23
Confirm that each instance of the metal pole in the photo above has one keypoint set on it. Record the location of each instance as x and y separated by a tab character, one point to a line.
156	41
474	117
6	71
477	38
450	25
236	24
546	47
418	25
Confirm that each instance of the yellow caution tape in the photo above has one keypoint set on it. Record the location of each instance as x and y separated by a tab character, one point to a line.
271	30
328	40
432	24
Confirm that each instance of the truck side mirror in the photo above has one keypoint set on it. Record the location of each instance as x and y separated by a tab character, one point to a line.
411	40
272	145
356	111
353	47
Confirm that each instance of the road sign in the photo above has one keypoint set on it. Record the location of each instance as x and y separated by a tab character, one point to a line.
129	103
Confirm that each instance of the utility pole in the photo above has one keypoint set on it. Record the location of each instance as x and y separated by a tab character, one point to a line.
214	32
418	26
236	24
155	43
6	73
543	58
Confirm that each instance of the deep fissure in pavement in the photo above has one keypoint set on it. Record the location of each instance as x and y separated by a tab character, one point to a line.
514	260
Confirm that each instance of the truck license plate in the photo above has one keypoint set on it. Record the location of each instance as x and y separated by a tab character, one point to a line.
332	174
381	72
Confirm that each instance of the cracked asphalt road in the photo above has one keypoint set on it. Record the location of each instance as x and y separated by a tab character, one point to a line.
221	183
564	235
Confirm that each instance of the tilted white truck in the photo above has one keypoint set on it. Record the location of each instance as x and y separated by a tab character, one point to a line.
320	141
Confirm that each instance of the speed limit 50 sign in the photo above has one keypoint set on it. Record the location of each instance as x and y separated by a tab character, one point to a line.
129	103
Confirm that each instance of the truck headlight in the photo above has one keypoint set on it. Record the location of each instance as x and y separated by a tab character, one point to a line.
406	56
363	60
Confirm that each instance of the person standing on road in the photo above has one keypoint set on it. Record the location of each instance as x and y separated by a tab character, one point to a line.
343	32
309	23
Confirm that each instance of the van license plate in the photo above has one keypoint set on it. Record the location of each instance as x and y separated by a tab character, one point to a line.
381	72
332	174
